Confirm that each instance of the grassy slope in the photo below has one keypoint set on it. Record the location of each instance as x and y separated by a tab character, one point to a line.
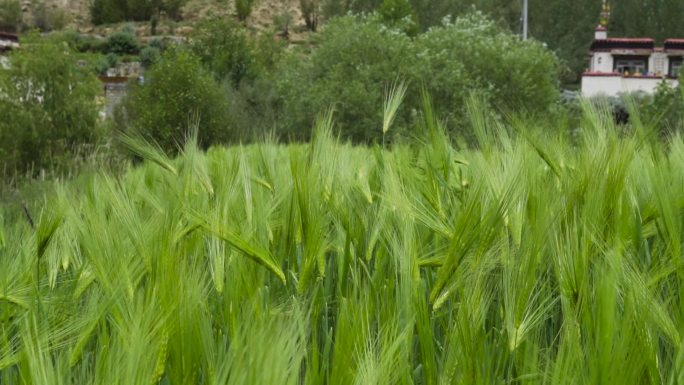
529	261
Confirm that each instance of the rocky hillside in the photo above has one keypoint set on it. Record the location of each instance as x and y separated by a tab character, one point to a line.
77	15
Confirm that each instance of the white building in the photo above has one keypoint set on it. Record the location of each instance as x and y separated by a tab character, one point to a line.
630	64
8	41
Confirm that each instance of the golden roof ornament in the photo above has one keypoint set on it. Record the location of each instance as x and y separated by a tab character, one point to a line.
605	14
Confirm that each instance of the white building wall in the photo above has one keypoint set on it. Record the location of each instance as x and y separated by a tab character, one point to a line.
8	44
658	63
602	62
601	85
614	85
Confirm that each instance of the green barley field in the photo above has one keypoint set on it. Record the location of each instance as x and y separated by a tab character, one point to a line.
531	257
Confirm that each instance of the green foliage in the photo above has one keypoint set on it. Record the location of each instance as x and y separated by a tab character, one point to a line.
532	260
49	18
658	19
474	54
11	16
149	55
354	61
80	42
666	108
224	48
399	13
244	8
47	104
107	11
122	43
282	22
356	58
311	10
178	93
565	26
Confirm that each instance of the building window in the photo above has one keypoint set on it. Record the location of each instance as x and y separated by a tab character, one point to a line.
675	66
631	65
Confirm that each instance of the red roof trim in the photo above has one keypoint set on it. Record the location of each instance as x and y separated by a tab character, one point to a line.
619	75
114	79
9	36
638	51
675	41
626	40
602	74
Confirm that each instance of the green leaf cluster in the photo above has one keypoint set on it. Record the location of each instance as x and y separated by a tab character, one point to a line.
48	105
531	259
356	58
177	93
11	16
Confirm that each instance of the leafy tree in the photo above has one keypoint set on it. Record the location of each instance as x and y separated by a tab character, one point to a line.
224	47
399	13
311	10
149	55
107	11
49	18
47	104
244	8
665	108
659	19
177	93
282	22
355	60
474	54
122	43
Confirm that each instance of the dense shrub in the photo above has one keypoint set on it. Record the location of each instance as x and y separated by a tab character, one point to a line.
225	48
282	22
399	13
49	17
80	42
149	55
354	61
666	107
357	58
122	43
11	16
474	54
311	10
47	105
244	8
178	92
106	11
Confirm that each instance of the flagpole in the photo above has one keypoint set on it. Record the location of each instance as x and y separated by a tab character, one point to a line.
524	34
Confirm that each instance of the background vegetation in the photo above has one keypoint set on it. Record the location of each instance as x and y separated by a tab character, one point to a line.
500	234
239	87
565	26
48	105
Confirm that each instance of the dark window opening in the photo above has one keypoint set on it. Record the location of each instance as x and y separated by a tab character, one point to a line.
631	65
675	66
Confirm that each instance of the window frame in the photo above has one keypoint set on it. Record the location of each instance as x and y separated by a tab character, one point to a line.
672	62
630	58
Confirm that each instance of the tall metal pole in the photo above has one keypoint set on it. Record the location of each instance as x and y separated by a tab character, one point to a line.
524	34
